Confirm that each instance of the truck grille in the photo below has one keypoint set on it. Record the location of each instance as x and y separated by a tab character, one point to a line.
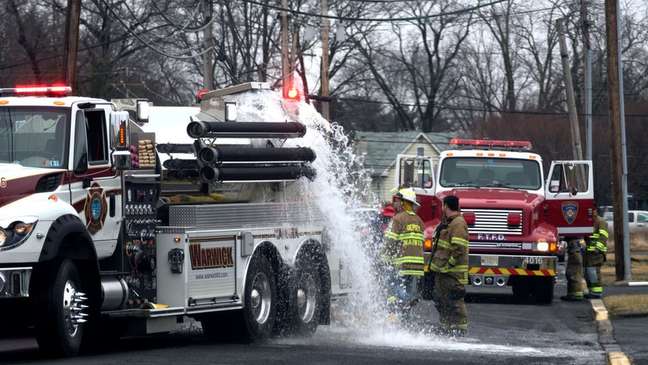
498	245
494	221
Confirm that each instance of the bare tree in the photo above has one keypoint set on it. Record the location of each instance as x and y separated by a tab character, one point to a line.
498	21
427	57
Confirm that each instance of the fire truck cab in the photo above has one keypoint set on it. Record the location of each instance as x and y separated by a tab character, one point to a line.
100	235
515	217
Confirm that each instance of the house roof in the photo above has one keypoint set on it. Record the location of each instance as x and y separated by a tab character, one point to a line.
383	147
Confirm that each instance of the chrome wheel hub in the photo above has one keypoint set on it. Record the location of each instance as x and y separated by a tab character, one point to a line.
260	298
306	298
73	308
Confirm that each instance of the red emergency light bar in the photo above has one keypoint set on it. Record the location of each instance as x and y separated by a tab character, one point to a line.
492	144
24	90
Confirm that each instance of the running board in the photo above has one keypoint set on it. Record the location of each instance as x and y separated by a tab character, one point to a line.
169	312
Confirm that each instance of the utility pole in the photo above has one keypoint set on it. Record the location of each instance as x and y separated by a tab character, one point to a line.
326	112
577	150
72	42
587	52
285	66
208	60
619	168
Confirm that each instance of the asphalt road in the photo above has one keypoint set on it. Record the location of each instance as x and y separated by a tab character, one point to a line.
630	332
501	331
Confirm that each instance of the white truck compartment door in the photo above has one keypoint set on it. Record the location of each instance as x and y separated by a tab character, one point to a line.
212	269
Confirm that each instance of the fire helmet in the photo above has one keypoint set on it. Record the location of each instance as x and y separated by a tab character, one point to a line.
409	195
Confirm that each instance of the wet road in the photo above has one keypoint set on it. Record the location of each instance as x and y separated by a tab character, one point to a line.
501	331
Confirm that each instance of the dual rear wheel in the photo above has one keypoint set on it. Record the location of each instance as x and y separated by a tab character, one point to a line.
259	315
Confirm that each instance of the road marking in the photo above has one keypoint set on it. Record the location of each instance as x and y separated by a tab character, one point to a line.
606	334
618	358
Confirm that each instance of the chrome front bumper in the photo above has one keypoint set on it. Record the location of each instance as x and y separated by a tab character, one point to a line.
14	282
529	262
497	270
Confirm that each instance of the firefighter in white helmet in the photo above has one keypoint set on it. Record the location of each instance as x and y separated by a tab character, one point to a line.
403	254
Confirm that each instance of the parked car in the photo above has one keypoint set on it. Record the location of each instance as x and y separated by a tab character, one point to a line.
637	222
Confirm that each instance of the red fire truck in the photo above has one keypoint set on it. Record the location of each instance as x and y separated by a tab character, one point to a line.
516	218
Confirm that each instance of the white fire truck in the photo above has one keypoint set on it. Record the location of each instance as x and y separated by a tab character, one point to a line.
515	218
105	231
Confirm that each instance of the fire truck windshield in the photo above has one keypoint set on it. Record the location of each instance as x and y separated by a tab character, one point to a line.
490	172
33	136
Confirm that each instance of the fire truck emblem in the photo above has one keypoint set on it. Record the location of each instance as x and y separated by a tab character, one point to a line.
95	208
570	211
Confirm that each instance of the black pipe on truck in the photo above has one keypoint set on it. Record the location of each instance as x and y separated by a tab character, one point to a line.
183	174
234	153
256	173
200	129
181	164
175	148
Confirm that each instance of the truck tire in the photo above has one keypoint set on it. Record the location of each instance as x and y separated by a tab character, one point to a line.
543	290
260	306
60	323
306	299
522	288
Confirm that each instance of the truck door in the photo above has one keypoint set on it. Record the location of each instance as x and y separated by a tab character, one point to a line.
416	172
95	188
569	193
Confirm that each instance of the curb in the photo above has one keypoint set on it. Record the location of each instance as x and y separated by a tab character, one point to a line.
630	283
614	354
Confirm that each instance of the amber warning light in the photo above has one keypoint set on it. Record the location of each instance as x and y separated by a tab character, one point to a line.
122	134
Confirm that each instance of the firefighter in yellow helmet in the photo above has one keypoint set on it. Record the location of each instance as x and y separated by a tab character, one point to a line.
595	256
403	254
450	266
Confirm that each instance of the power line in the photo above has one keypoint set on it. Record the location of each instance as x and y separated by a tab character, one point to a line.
477	109
186	27
86	48
385	1
352	19
482	18
149	45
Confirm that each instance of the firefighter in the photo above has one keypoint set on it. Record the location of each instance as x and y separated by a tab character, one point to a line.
450	266
403	254
574	271
595	256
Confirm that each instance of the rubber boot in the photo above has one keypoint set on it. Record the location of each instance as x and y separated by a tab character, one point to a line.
571	298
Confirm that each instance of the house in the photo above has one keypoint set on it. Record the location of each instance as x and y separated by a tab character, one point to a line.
380	150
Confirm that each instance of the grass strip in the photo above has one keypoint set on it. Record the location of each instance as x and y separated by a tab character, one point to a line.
627	304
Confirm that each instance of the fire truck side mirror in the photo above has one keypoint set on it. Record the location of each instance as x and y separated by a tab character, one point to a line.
143	110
